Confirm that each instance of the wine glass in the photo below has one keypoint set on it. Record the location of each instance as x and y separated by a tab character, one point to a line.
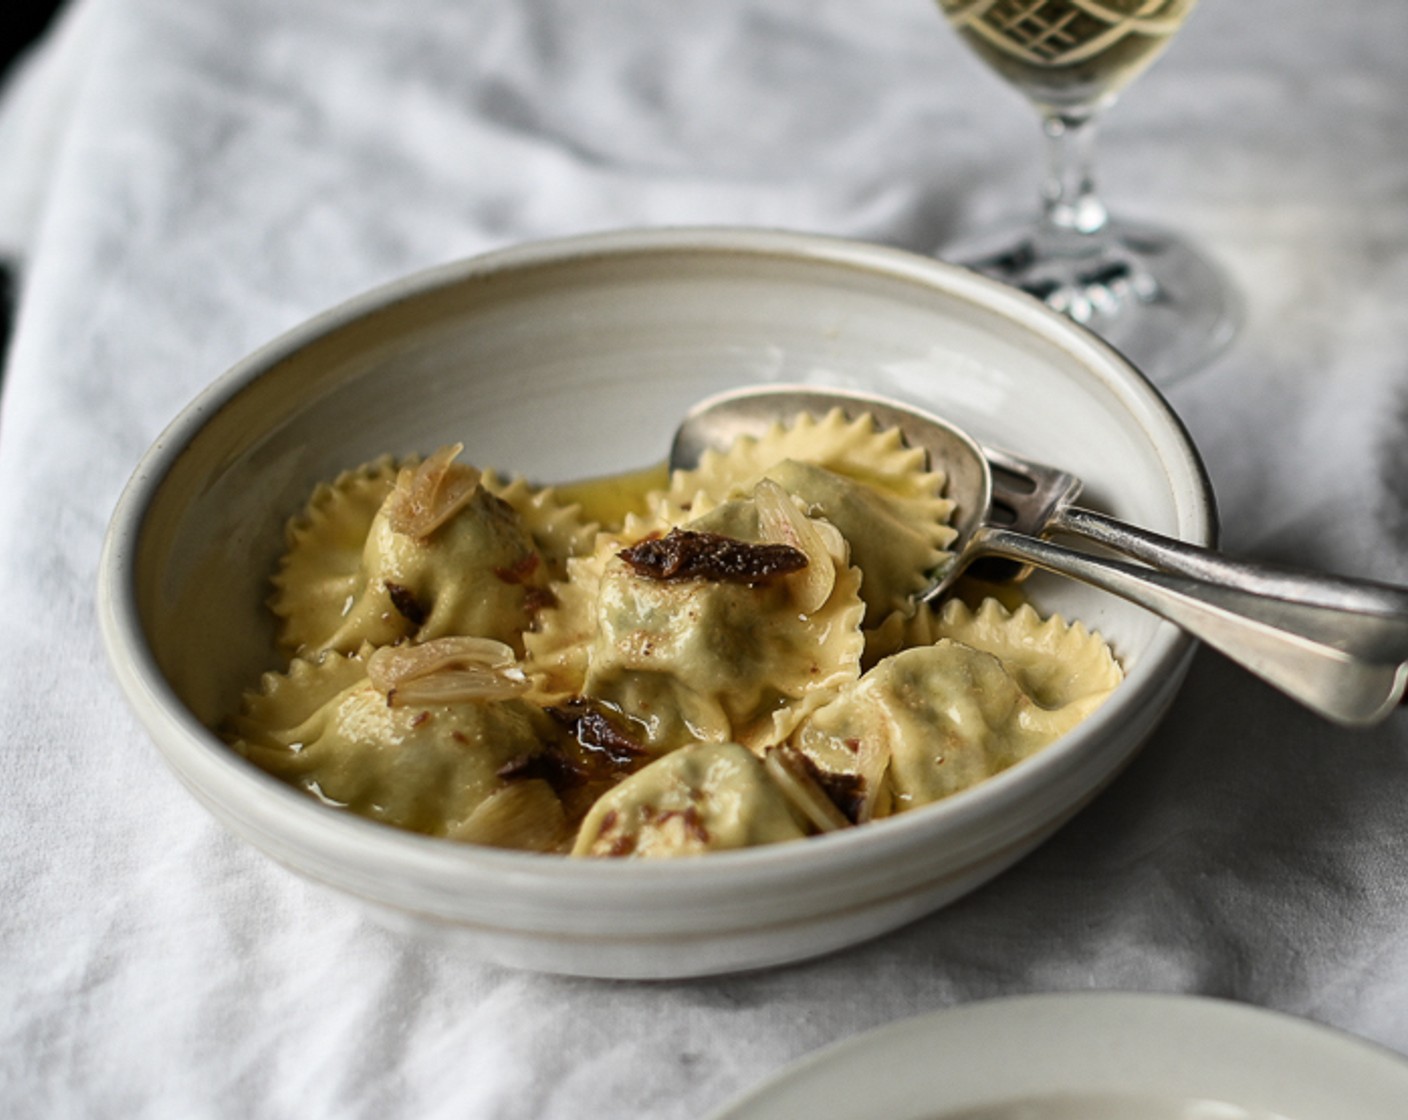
1144	290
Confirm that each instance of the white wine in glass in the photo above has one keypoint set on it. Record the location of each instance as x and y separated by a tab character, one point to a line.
1143	289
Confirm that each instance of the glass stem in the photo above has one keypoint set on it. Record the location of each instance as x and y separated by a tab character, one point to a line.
1073	219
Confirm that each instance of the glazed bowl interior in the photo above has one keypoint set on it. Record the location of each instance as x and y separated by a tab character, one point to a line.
568	360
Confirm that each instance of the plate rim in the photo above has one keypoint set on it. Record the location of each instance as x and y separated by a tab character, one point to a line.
834	1074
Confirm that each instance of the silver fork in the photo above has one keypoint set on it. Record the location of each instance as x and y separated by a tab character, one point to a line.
1037	500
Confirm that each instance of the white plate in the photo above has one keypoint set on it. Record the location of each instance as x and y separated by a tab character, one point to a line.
1090	1056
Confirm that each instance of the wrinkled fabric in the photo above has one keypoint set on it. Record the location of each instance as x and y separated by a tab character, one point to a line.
186	180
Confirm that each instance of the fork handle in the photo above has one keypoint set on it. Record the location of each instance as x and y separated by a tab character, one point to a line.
1360	617
1340	647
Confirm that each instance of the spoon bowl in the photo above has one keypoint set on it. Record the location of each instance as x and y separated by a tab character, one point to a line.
1337	645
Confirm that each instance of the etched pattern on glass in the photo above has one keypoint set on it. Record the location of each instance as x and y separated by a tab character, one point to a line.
1063	32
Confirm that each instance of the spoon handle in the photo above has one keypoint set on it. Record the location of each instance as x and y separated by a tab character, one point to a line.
1366	619
1340	647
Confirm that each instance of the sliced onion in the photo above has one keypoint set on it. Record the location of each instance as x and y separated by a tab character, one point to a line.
446	671
526	815
873	760
782	522
801	790
836	544
429	495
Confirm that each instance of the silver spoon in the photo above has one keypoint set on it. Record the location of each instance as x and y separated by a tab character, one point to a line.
1337	645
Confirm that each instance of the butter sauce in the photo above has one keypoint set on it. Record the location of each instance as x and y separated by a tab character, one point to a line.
609	499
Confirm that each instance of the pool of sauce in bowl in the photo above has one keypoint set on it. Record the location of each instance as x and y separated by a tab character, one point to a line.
607	499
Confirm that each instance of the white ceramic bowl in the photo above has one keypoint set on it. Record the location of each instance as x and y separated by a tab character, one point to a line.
575	358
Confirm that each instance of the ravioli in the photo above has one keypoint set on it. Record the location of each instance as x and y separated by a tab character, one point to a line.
979	693
715	660
441	555
731	659
434	768
703	797
320	572
863	480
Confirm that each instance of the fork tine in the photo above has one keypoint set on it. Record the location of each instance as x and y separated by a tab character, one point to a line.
1027	495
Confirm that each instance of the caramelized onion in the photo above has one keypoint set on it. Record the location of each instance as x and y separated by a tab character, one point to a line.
429	495
793	777
781	521
446	671
687	554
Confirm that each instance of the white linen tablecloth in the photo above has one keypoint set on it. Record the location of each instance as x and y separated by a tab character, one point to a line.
181	181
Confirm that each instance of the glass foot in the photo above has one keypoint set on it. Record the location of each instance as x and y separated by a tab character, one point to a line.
1145	290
